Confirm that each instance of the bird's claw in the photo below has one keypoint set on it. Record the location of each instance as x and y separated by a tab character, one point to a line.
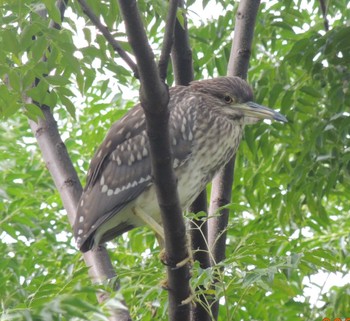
189	300
164	259
182	263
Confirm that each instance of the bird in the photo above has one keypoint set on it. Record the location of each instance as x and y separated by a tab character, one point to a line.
206	123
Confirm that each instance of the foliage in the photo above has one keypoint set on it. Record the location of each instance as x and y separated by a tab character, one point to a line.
290	209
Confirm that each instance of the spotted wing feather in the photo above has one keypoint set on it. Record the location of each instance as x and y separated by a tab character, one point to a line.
121	170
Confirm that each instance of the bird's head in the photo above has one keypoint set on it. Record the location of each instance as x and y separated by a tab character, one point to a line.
233	97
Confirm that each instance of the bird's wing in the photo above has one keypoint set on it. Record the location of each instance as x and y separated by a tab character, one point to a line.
121	168
119	171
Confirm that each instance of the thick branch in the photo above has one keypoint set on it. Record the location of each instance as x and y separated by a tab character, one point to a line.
168	39
154	99
60	166
183	70
108	36
222	184
68	185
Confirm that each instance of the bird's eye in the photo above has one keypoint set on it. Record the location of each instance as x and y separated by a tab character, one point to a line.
228	99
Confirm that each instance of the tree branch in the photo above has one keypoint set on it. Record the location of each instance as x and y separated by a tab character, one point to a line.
168	39
66	180
109	37
154	99
181	56
324	14
222	184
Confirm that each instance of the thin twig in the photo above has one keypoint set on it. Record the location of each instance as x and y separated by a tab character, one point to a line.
324	14
109	37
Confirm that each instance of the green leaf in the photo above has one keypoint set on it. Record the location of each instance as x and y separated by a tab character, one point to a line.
311	91
9	37
53	11
68	104
34	112
57	80
39	47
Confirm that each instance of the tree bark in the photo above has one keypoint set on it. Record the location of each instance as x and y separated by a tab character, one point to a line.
183	72
154	99
222	183
66	180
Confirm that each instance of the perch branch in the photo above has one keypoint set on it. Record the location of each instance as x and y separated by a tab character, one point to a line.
222	184
154	99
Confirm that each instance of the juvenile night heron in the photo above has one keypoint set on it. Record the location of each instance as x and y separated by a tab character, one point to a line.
206	126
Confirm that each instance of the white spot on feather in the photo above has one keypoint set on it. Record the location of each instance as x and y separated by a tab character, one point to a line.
145	152
131	159
81	219
143	140
104	189
190	136
80	231
102	180
109	192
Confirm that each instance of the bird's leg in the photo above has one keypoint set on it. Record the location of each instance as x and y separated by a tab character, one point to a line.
150	221
159	231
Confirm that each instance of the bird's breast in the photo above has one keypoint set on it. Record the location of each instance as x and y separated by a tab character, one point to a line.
213	146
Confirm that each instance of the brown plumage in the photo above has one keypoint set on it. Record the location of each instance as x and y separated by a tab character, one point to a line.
206	126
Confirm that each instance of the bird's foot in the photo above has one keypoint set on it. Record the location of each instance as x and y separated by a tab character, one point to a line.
182	263
189	300
150	221
164	259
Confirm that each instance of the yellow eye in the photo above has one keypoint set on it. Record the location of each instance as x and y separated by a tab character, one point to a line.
228	99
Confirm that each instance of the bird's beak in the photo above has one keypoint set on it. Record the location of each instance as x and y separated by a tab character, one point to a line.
254	110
